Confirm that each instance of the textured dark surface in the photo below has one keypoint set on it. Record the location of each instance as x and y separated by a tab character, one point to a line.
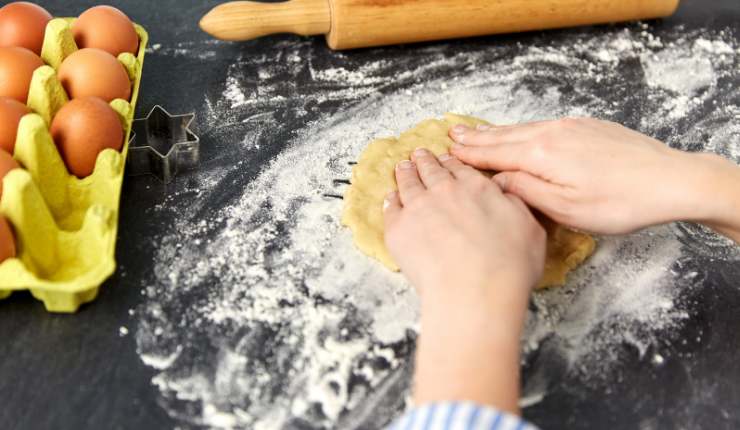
76	372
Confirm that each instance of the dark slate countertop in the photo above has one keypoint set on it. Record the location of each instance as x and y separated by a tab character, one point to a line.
81	372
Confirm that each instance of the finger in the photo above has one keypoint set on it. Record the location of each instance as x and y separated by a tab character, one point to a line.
409	183
430	171
516	201
506	156
534	191
457	168
391	208
484	135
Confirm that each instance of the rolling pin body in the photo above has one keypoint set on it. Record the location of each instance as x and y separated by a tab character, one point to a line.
363	23
244	20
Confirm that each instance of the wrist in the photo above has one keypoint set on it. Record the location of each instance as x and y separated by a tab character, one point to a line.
715	193
482	290
498	305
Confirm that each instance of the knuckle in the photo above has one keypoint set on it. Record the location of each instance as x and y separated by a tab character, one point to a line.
566	124
404	183
470	171
450	161
445	186
479	184
540	148
607	122
569	121
405	175
426	164
467	152
438	179
423	160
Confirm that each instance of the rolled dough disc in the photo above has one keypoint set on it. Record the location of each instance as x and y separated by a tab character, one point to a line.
373	178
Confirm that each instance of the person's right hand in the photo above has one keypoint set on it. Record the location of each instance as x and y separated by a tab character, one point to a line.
602	177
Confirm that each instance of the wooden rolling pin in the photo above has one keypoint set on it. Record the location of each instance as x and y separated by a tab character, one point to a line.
361	23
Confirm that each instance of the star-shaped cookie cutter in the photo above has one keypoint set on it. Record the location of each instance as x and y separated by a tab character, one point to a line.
162	145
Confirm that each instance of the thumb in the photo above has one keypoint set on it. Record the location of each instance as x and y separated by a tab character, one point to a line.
536	192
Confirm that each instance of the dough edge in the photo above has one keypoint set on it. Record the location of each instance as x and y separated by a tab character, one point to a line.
372	179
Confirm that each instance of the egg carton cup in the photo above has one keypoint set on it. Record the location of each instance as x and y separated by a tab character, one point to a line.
65	227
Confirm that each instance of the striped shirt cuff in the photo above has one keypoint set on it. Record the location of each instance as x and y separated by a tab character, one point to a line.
459	416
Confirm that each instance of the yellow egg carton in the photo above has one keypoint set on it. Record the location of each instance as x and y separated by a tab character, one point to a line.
65	227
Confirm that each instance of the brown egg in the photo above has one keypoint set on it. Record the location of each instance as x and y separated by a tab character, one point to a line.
7	241
82	129
92	72
16	69
106	28
23	24
11	112
7	163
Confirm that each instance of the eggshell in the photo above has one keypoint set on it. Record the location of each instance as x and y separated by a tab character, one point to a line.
23	24
7	163
82	129
11	112
7	241
16	69
106	28
93	72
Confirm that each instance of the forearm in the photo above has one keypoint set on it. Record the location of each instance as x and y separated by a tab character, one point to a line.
469	349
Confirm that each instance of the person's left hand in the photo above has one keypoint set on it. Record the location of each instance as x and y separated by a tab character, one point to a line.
452	230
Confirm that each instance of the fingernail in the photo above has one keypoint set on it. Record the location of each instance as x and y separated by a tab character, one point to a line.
458	133
386	203
445	157
405	164
459	129
420	152
456	147
482	127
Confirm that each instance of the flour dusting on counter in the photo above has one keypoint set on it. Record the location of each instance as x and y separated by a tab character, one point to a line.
261	314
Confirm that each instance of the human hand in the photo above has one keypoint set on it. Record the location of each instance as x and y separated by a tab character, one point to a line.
449	227
473	253
597	175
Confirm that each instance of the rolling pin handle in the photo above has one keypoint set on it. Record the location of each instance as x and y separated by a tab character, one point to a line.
245	20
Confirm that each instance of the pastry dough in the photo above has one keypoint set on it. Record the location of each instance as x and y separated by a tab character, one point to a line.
373	178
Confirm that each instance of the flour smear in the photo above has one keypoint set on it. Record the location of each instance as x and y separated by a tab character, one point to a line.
262	315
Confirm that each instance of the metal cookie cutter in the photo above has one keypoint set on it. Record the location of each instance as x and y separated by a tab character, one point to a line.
162	145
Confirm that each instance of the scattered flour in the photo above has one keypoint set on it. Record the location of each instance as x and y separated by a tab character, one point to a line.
201	50
685	72
262	315
626	286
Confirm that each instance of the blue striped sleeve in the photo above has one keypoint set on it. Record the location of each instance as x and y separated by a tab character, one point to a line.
458	416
